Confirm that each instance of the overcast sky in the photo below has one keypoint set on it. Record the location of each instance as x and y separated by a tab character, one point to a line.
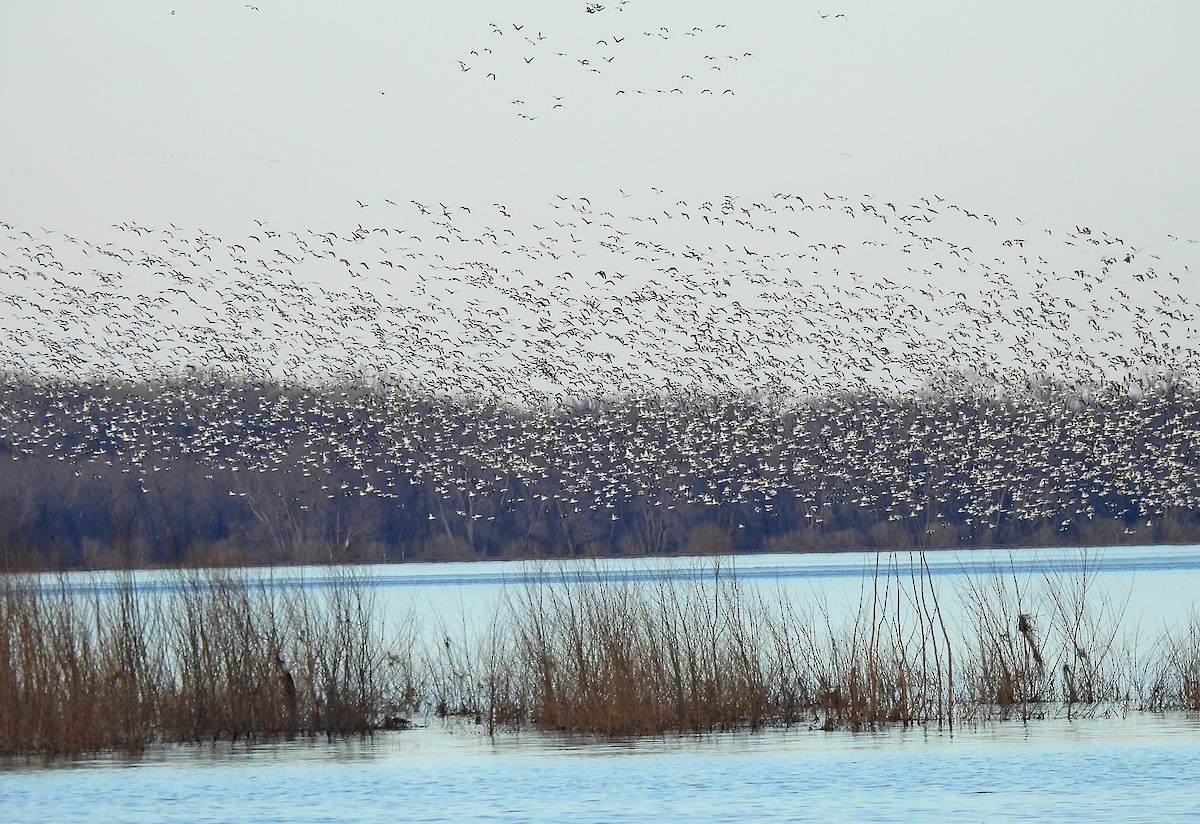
206	112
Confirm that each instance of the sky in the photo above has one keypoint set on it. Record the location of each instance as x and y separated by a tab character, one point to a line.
586	196
214	111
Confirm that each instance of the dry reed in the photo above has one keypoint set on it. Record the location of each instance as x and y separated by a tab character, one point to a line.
1175	679
223	656
592	653
1038	649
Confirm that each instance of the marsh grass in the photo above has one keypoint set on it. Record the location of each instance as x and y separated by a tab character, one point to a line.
471	674
586	652
591	653
1060	644
1004	669
1175	676
629	657
222	657
891	663
230	656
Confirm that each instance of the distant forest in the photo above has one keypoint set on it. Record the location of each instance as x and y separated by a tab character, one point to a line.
201	470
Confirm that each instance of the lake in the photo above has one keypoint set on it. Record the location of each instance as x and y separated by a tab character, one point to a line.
1154	586
1138	767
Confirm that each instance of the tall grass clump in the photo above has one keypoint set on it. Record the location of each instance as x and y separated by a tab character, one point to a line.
218	656
226	641
583	652
254	659
586	652
626	657
1175	683
473	672
890	662
1004	668
75	674
1040	646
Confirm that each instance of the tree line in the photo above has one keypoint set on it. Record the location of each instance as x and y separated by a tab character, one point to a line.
204	470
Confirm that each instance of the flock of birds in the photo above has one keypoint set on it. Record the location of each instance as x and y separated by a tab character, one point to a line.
539	69
591	296
462	464
533	69
896	356
608	346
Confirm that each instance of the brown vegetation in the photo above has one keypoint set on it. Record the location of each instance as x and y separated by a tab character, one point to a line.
591	654
223	657
1175	680
628	657
229	656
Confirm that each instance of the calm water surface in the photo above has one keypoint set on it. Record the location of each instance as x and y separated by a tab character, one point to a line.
1153	588
1141	768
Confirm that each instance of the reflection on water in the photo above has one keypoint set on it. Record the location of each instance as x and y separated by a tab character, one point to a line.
1139	769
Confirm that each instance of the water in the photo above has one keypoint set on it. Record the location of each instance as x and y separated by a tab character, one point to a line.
1139	768
1153	587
